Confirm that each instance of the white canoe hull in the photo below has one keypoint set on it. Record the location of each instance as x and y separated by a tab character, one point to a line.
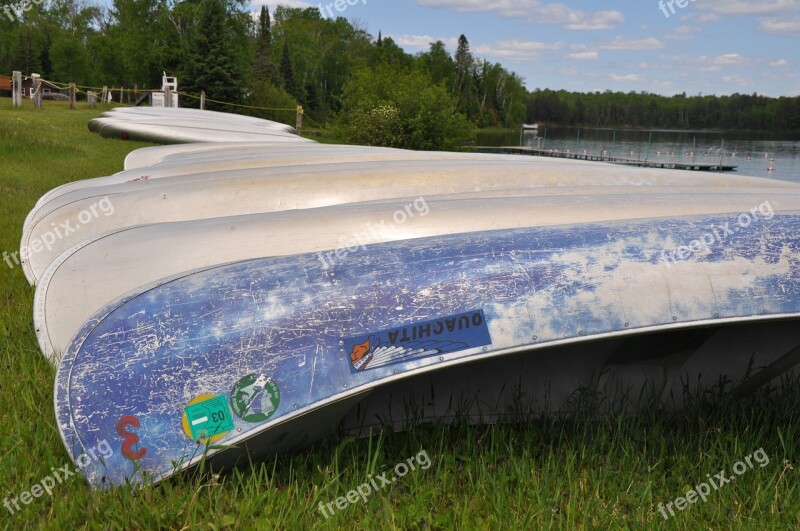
99	270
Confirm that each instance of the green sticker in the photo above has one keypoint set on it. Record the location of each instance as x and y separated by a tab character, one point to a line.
209	418
255	398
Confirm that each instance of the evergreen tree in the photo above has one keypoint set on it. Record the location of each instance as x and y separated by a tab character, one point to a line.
463	63
287	72
263	69
210	64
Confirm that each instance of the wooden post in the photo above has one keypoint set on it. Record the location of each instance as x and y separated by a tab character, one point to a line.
104	95
167	96
135	92
72	104
120	94
91	97
202	100
16	88
37	90
299	125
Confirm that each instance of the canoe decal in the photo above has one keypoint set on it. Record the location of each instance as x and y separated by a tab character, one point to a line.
255	398
207	418
419	340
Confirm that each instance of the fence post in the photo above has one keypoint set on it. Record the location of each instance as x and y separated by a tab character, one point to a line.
72	104
37	90
91	97
16	88
299	125
120	94
104	95
202	100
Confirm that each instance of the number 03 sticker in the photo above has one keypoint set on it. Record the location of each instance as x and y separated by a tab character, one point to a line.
207	418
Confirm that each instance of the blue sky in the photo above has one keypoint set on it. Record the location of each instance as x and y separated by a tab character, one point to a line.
707	46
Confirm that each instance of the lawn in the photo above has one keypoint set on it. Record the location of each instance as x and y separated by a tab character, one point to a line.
586	470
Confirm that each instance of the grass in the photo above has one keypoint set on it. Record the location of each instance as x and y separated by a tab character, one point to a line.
586	470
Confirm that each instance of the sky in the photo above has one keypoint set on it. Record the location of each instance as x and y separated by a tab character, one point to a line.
705	47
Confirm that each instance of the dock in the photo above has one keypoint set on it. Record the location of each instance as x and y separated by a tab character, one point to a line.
537	152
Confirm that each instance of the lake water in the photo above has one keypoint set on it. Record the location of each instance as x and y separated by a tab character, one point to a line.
753	153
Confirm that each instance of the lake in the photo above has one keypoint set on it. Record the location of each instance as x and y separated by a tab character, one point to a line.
771	155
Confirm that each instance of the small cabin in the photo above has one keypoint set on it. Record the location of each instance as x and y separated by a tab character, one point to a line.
27	86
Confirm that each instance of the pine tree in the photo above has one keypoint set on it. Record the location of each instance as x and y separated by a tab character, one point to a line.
463	63
210	63
380	39
263	69
287	72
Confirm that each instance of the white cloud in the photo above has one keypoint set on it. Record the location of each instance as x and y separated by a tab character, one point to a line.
536	12
729	59
584	56
779	63
705	63
751	7
736	80
626	77
787	26
682	33
421	41
286	3
703	18
515	50
632	43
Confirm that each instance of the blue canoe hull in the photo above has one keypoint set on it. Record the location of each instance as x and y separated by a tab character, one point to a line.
262	344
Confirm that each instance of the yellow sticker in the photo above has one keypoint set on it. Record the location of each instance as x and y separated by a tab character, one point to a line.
187	428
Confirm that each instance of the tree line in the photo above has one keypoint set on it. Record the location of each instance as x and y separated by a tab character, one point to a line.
362	88
617	109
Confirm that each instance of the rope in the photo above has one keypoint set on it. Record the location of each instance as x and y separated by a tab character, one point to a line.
78	90
236	104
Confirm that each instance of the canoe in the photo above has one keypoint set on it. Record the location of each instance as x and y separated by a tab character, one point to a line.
247	359
182	112
99	270
249	156
187	131
75	216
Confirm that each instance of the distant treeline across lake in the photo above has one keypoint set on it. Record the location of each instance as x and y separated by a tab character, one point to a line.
617	109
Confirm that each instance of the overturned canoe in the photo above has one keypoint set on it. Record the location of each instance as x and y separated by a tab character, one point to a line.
81	214
99	270
254	357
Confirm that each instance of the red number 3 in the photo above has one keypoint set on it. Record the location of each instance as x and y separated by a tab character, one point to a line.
130	438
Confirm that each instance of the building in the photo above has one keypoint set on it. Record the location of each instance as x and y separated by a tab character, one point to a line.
27	86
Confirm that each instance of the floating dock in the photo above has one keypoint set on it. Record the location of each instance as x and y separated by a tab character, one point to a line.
692	166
